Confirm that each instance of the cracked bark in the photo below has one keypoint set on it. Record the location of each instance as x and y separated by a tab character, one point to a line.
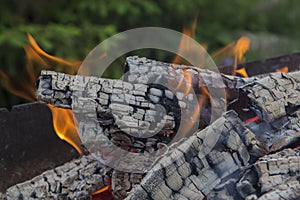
279	176
76	179
275	95
192	168
114	108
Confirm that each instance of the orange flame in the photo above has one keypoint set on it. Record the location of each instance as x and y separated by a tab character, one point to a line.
242	72
236	51
73	65
104	193
241	47
64	126
63	122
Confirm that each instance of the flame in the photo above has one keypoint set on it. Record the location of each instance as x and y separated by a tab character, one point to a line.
73	65
64	126
236	51
184	45
24	87
241	47
186	78
242	72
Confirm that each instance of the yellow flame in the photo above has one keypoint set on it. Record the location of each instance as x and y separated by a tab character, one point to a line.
236	51
242	72
241	47
184	45
64	126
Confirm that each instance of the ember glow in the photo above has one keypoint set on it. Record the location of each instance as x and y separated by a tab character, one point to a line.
283	70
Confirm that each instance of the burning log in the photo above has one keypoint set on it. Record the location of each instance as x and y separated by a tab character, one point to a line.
76	179
113	107
281	89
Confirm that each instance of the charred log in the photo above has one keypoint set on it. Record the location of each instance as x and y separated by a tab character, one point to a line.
275	95
193	168
224	160
278	176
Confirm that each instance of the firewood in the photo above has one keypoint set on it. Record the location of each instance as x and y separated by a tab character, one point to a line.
109	108
144	70
275	95
76	179
192	168
270	96
82	94
278	176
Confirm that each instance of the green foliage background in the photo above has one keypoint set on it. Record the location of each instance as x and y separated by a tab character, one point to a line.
70	29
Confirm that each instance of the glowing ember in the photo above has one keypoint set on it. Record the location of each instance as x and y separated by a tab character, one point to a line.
101	190
253	119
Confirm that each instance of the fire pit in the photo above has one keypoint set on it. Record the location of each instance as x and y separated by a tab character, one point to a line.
248	152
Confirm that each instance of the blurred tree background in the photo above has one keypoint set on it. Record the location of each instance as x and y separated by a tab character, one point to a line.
70	29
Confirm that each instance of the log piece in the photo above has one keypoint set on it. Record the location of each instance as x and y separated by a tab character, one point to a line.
281	133
192	168
179	78
115	108
278	177
275	95
270	95
76	179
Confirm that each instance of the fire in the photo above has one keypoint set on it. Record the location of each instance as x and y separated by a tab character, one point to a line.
235	51
242	72
64	126
63	121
